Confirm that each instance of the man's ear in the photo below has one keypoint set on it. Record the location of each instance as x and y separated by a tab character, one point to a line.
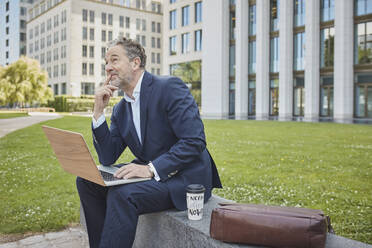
136	63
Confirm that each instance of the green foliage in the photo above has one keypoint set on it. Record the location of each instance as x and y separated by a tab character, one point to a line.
83	103
317	165
190	73
24	82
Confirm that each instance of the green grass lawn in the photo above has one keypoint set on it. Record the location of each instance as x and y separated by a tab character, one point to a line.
6	115
317	165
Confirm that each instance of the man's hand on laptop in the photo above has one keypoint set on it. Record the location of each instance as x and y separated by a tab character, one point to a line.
134	171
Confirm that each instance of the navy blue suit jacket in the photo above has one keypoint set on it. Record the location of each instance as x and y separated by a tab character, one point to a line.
172	133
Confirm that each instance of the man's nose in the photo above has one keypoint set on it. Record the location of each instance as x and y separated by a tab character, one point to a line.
108	68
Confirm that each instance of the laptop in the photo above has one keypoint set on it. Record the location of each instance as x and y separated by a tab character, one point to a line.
74	156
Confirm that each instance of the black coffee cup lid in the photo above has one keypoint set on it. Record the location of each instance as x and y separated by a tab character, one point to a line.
195	188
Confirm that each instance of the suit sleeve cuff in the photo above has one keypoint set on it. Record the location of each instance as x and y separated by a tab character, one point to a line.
156	175
97	123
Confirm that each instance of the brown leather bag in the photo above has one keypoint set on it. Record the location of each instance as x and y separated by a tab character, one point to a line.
270	225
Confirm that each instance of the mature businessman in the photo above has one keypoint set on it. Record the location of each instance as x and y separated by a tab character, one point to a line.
159	121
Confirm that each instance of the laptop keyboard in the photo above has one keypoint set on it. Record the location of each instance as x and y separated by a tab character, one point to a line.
108	176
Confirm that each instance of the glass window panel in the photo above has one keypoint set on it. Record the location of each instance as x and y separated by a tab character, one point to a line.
252	57
359	101
274	15
324	101
173	19
252	20
232	61
252	98
198	12
232	25
274	54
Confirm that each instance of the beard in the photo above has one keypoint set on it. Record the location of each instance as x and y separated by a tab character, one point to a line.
121	82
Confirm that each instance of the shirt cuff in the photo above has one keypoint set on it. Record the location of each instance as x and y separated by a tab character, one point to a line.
97	123
156	175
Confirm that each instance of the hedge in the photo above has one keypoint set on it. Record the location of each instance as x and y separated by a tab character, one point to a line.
82	103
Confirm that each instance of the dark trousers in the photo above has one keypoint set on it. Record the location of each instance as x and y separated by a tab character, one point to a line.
111	213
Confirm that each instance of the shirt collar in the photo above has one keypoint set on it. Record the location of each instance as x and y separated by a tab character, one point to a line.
136	91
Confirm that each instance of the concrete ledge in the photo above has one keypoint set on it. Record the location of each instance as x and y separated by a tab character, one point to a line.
171	229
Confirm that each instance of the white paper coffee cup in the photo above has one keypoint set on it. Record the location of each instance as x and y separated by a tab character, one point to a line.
195	201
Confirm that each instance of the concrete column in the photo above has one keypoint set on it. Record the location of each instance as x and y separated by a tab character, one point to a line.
343	67
312	60
215	65
286	61
263	59
241	56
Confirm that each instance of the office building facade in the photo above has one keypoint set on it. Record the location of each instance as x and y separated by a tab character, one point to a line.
69	38
293	59
13	18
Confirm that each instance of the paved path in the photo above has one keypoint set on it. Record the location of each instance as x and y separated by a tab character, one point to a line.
74	237
12	124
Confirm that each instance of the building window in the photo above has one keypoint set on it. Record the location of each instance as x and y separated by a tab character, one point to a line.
173	19
63	89
143	40
49	24
49	40
56	21
299	13
121	21
185	42
91	51
143	25
198	12
23	24
103	35
299	52
327	10
363	7
158	43
91	16
110	19
103	18
251	97
252	57
198	40
23	11
159	27
87	88
274	54
232	61
55	35
84	69
109	35
252	20
103	52
363	43
55	89
172	45
127	22
274	96
138	24
327	47
152	42
298	96
326	96
185	16
153	27
172	1
91	69
363	95
7	55
85	33
91	34
85	15
42	28
158	58
7	6
55	71
103	70
7	19
153	58
274	17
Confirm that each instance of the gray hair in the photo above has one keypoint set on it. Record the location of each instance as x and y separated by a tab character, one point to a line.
132	49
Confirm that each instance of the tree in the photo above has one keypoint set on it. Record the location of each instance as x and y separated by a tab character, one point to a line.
24	82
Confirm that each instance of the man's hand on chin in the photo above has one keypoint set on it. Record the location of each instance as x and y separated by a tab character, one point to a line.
133	170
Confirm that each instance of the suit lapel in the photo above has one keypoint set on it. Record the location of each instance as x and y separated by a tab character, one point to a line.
146	89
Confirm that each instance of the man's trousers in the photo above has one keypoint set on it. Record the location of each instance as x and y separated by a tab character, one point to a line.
111	213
